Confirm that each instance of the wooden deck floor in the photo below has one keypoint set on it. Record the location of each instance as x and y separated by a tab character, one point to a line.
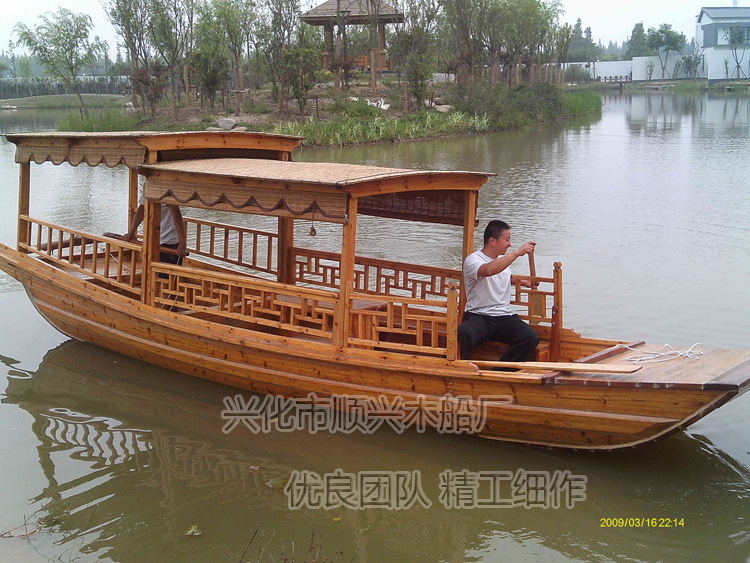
715	369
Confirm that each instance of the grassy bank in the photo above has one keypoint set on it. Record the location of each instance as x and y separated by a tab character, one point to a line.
348	130
372	128
478	109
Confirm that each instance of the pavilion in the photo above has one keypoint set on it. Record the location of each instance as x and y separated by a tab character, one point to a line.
354	12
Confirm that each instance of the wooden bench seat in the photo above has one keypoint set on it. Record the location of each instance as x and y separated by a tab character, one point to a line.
492	350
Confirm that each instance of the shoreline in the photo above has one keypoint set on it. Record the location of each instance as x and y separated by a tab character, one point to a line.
339	123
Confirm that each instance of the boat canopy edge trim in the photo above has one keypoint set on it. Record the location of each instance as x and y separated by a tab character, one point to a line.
93	155
326	206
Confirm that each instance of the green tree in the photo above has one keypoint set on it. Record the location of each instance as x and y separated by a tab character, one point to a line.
150	82
463	20
25	70
210	61
300	66
413	47
168	33
692	60
664	40
4	67
61	44
13	65
582	47
638	43
735	38
131	20
230	17
276	31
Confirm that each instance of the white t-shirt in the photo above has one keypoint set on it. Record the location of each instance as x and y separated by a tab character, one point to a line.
168	231
486	295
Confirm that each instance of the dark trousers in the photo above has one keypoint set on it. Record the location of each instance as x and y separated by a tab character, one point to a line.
520	337
168	257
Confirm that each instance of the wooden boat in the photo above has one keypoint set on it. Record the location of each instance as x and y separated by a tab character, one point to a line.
255	310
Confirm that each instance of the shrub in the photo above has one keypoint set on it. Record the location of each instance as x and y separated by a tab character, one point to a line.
582	103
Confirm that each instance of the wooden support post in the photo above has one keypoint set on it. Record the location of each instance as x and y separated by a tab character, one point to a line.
451	344
151	238
284	258
132	194
24	189
470	216
341	316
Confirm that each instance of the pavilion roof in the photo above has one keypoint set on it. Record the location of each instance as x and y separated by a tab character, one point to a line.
360	12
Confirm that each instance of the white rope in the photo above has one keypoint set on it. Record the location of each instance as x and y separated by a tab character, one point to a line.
692	353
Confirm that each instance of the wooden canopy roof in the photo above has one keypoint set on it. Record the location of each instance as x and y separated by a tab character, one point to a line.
132	148
359	12
321	189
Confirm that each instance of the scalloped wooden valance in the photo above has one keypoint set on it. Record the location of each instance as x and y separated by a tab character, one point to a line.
328	206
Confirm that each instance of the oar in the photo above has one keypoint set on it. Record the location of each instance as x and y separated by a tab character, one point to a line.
538	301
555	366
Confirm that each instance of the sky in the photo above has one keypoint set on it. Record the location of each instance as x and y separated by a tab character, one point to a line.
609	21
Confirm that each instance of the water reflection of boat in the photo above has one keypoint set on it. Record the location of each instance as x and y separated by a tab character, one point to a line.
121	452
132	459
254	309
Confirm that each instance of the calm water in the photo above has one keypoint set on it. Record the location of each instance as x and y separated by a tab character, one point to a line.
647	209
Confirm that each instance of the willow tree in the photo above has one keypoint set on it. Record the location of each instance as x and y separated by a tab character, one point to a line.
61	44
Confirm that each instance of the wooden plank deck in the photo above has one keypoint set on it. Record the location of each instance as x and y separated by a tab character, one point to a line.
715	369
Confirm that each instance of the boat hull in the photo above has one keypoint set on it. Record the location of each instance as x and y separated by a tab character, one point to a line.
535	410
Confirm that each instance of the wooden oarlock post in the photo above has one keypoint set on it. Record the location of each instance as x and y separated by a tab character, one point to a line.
557	317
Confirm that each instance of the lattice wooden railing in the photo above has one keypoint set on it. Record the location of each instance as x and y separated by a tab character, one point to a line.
116	262
374	276
255	250
406	324
261	302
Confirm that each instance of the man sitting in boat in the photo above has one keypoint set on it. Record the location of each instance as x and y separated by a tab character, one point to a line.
171	232
488	315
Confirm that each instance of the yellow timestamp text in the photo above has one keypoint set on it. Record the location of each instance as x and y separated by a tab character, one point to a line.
642	522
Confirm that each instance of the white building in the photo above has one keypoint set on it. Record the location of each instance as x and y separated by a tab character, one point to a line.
712	31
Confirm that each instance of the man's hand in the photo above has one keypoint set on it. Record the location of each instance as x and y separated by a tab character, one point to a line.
182	248
525	248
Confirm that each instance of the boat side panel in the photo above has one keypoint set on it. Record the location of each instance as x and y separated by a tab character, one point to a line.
529	412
